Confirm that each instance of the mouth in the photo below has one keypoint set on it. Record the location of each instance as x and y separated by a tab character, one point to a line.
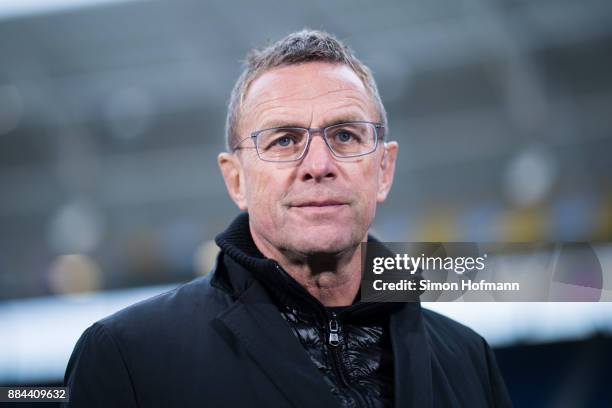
319	204
319	209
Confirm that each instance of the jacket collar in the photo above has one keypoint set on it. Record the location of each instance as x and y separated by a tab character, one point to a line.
237	243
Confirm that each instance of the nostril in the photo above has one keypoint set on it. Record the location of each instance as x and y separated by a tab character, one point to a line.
317	175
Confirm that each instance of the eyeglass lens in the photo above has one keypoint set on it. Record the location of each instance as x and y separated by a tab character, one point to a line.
345	140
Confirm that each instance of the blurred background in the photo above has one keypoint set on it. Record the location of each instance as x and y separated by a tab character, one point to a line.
112	115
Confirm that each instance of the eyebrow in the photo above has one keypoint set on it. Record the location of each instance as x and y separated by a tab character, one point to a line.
338	119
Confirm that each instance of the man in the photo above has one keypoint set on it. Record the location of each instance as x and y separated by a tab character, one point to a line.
279	322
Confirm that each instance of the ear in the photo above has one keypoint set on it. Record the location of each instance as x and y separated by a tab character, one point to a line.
231	168
386	170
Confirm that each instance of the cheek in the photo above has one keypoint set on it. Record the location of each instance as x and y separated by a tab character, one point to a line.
256	193
367	190
371	179
263	191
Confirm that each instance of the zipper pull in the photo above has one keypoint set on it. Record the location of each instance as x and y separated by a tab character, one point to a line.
333	331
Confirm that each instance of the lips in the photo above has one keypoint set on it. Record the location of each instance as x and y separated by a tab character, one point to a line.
318	203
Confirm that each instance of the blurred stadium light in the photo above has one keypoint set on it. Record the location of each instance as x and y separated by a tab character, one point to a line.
16	8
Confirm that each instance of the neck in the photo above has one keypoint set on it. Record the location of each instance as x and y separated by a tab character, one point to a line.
333	279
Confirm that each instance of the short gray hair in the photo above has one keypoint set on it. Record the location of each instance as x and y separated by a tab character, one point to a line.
296	48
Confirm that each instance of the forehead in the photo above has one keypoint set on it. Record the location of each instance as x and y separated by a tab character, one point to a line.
308	90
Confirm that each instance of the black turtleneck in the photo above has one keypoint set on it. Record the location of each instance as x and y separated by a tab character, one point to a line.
350	345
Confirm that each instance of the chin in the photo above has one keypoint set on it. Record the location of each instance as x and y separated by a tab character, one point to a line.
321	242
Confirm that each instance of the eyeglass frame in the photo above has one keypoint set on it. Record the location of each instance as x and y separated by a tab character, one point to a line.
323	131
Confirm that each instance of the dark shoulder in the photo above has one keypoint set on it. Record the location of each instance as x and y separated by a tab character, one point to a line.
464	356
177	308
450	333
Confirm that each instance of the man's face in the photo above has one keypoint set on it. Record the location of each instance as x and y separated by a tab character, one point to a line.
320	204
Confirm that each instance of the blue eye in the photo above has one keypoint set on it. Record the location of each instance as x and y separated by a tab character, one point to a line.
280	139
344	137
284	141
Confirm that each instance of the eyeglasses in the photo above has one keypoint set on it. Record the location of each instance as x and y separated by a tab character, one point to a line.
286	144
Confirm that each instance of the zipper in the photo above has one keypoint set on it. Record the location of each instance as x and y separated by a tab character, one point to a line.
334	341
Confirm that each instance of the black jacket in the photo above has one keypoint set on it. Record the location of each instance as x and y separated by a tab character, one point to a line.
220	341
349	345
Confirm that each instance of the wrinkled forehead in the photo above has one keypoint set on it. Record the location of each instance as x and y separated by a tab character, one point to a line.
303	85
298	77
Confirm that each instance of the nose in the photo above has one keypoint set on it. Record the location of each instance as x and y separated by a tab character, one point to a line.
318	163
